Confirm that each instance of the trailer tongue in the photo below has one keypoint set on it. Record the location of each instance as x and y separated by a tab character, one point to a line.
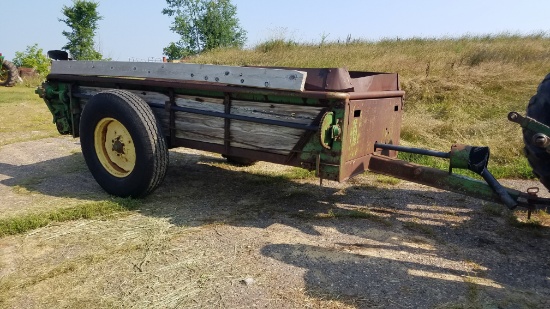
335	122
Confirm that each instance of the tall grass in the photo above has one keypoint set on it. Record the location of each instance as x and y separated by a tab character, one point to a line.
459	90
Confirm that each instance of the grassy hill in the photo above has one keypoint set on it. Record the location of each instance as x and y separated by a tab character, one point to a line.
458	90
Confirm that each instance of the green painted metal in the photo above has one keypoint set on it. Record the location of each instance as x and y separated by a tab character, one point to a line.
476	159
459	157
529	123
330	130
57	98
323	151
325	136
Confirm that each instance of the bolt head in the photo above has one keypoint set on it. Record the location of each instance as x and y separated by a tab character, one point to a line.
541	140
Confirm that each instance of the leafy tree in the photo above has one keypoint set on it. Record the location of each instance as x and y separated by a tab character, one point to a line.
82	18
173	51
203	25
33	57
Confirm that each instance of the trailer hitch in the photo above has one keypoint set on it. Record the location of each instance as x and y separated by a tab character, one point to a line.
472	158
476	159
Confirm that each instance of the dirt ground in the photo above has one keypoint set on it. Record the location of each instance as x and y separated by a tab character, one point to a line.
219	236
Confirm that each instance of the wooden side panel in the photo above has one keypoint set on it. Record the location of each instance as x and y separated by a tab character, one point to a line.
199	127
147	96
275	139
268	138
200	103
281	112
243	134
162	117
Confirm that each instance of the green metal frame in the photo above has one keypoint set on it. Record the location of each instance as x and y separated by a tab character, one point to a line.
529	123
62	105
467	157
325	147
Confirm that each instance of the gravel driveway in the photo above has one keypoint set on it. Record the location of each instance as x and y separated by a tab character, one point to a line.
219	236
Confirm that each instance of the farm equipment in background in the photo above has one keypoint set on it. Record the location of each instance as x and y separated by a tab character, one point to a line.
337	122
9	75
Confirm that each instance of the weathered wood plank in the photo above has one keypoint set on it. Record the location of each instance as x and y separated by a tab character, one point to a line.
269	138
198	99
147	96
291	80
282	112
201	103
200	128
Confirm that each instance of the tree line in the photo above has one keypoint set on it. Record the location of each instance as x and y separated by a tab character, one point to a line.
201	24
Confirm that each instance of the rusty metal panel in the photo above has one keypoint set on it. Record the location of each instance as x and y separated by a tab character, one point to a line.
367	122
342	80
333	79
369	82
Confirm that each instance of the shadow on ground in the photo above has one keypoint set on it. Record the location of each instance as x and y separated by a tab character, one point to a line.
62	177
482	260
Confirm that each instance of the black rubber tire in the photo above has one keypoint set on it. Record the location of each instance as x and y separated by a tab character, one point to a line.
10	74
241	161
539	109
151	153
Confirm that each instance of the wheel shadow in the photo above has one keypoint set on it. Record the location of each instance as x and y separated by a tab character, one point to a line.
61	177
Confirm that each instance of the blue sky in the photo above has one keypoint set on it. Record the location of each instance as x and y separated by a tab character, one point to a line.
137	30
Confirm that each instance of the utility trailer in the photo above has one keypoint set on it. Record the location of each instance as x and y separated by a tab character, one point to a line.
337	122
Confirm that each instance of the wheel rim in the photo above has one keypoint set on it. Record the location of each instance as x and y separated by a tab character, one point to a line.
114	147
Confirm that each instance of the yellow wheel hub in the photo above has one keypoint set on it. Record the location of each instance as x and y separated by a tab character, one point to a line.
114	147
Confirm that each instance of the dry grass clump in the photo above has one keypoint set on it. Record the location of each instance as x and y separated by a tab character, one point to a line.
86	210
